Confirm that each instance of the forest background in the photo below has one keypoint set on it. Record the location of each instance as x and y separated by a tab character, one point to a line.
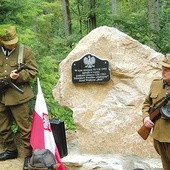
52	28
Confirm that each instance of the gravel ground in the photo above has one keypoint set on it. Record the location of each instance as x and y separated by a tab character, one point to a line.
13	164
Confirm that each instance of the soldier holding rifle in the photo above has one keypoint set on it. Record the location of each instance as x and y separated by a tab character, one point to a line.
161	125
13	104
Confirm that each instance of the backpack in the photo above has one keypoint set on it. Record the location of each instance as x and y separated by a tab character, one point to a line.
42	159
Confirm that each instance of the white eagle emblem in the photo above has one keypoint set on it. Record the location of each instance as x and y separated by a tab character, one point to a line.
46	122
89	61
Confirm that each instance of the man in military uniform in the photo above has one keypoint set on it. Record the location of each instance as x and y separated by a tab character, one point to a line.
14	105
161	127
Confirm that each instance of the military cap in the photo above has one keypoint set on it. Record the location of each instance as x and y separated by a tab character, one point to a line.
9	36
166	61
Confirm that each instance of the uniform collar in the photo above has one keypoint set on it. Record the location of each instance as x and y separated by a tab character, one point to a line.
6	51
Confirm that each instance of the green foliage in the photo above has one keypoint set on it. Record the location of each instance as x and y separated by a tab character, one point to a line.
14	127
48	75
134	22
164	34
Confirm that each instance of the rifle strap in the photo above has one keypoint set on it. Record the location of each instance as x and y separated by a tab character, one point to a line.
155	106
162	102
158	101
20	55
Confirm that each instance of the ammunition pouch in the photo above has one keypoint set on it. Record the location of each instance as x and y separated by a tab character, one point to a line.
165	112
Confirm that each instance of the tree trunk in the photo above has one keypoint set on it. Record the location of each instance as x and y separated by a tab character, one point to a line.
79	14
153	14
91	19
66	17
114	7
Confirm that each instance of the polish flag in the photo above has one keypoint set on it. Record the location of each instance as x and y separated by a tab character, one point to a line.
41	133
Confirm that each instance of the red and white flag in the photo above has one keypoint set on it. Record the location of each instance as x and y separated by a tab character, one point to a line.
41	133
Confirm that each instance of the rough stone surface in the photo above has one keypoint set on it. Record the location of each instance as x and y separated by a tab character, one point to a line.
108	115
78	161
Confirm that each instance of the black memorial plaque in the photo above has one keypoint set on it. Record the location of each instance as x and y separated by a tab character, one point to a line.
90	69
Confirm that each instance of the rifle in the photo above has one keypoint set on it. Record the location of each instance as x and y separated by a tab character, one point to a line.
6	82
154	112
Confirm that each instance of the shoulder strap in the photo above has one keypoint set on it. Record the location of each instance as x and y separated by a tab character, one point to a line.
20	55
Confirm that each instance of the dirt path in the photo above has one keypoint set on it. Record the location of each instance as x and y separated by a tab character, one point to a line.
13	164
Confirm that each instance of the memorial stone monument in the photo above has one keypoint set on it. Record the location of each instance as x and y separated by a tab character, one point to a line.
104	81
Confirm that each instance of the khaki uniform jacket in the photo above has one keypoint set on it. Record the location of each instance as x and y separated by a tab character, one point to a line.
161	130
9	63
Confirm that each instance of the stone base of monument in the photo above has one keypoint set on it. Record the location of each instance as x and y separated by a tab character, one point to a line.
110	162
75	160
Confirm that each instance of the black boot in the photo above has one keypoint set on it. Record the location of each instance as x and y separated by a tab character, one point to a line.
26	162
8	155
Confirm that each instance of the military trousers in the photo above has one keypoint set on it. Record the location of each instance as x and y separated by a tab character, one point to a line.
19	114
163	149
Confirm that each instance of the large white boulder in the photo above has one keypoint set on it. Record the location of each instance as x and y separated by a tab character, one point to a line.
108	114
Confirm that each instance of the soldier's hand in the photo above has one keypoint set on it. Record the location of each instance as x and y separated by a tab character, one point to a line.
147	122
14	75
